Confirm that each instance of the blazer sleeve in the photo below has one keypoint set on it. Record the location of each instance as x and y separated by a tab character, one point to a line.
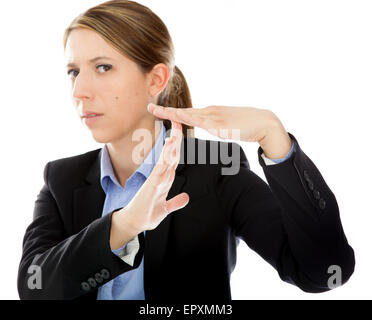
128	252
292	222
270	162
69	266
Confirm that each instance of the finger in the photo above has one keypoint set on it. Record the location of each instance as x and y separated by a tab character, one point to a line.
161	165
169	157
173	161
176	129
165	172
177	134
171	154
175	146
169	151
189	116
192	117
177	202
163	112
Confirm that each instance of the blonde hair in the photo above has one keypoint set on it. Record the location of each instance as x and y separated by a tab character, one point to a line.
141	36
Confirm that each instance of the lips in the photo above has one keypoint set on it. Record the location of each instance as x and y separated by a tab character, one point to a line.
89	114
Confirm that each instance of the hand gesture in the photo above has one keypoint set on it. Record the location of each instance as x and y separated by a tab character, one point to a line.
149	206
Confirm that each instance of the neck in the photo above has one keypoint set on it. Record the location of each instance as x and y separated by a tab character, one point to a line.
125	157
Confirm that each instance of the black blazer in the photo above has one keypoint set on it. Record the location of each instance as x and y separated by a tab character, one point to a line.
293	223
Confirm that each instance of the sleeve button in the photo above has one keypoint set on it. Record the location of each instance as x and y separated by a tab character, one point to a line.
85	286
310	184
306	175
92	282
316	194
105	274
322	203
98	277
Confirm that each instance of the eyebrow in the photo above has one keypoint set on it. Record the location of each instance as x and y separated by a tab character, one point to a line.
71	64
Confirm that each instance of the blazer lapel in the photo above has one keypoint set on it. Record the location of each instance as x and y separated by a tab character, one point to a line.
89	200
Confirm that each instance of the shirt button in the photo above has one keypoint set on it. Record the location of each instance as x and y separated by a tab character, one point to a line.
322	203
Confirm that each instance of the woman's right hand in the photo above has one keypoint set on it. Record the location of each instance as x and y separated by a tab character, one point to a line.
149	206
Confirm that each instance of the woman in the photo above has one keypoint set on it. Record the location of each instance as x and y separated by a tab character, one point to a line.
124	222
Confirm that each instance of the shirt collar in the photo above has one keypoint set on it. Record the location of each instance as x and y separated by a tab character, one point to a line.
145	168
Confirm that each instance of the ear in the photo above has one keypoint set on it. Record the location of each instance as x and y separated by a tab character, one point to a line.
158	79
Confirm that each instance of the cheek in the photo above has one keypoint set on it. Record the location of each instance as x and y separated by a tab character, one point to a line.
129	99
133	100
131	89
129	107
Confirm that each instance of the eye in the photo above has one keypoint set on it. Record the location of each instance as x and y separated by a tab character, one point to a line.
105	66
69	72
74	72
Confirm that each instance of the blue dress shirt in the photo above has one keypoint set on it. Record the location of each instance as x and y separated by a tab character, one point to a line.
130	285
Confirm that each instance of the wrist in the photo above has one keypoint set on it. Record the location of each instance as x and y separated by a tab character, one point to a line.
276	143
129	222
121	231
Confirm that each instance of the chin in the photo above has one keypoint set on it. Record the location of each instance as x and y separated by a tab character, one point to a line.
105	136
101	137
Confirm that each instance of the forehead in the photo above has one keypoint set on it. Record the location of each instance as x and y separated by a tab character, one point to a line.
83	45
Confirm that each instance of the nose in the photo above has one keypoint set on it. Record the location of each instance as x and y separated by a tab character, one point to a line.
82	87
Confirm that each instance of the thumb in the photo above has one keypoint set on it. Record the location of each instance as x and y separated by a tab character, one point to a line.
178	202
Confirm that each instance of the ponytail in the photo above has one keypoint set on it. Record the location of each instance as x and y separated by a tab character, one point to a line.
177	95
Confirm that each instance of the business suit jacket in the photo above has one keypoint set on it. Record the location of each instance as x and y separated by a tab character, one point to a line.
293	223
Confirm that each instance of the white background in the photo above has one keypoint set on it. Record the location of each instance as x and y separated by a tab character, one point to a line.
307	61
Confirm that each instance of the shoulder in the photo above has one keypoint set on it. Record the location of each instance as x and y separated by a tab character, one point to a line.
71	170
80	159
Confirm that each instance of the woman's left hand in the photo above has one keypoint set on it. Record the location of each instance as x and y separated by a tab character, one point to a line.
237	123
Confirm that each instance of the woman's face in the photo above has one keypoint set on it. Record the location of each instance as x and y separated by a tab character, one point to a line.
112	86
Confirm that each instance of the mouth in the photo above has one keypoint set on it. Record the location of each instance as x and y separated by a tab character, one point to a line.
91	115
88	114
91	118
